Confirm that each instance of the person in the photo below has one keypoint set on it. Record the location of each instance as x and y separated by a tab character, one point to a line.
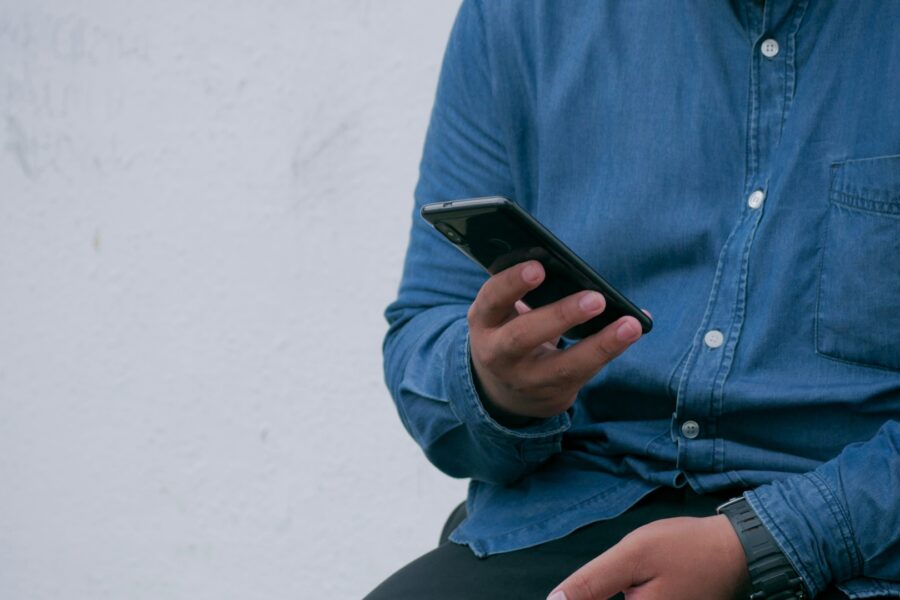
734	167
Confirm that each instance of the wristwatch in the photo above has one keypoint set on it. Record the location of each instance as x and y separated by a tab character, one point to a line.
771	575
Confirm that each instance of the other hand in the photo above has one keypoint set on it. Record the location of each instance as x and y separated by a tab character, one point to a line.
672	559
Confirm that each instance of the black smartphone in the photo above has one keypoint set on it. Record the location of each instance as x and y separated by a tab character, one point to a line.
497	233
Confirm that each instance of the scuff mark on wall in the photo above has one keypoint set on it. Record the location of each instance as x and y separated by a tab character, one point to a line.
17	145
314	145
71	38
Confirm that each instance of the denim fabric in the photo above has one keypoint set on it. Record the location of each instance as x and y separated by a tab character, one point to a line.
637	131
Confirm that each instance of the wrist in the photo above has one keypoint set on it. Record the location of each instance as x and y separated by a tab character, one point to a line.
731	554
500	414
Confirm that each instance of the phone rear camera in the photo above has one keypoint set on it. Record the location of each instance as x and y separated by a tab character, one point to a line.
450	233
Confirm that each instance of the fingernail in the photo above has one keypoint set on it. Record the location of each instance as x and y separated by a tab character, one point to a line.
557	595
531	273
591	301
628	331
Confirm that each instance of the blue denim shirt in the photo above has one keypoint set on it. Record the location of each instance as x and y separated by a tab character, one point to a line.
639	132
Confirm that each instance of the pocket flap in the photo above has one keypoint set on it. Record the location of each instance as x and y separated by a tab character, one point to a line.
868	183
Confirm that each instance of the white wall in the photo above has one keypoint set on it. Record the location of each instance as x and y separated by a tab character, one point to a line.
203	210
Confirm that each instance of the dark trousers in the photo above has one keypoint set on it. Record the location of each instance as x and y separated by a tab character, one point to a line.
451	571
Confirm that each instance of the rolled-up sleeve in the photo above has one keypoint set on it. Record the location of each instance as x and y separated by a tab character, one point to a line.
841	522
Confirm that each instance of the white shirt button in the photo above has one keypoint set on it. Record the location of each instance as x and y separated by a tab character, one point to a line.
756	199
690	429
713	338
769	48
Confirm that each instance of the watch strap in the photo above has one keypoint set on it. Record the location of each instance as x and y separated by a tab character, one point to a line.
771	575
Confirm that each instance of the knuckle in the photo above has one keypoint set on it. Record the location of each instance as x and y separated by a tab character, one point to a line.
487	295
605	351
562	372
528	382
508	278
484	357
480	351
514	338
472	313
567	312
579	586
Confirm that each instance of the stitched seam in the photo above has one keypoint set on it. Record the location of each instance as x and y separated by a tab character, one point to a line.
864	203
676	371
789	64
740	309
857	363
813	581
819	282
704	322
843	522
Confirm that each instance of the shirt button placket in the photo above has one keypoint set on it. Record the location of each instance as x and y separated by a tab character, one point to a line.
769	48
690	429
756	199
713	338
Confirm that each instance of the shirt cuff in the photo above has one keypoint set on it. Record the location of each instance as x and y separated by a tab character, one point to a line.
811	527
544	436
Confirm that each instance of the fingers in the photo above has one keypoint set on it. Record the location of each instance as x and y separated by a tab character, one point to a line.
497	297
603	577
521	335
583	360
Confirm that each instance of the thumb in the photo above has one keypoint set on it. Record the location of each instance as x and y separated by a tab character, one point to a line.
605	576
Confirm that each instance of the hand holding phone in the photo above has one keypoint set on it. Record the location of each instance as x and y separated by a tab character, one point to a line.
538	291
521	372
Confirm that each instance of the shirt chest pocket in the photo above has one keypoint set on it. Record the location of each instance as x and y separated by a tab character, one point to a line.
858	307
